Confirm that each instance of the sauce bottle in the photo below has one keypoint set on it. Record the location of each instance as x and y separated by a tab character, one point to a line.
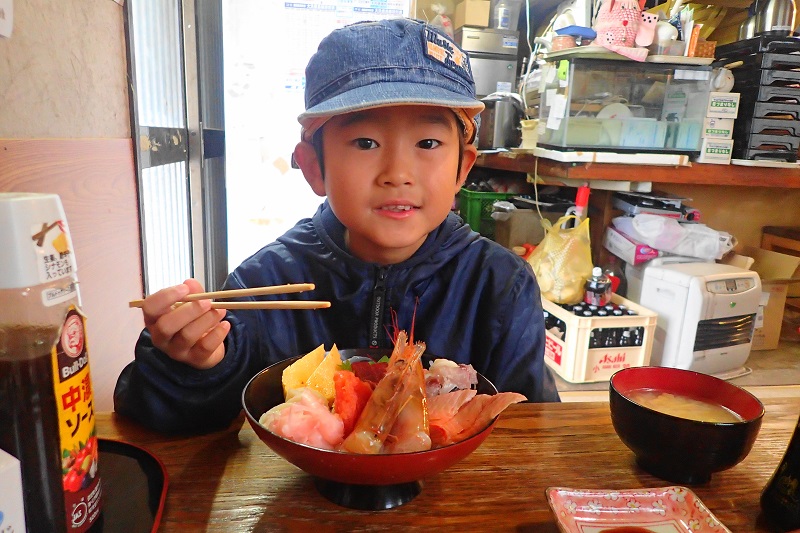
780	499
46	412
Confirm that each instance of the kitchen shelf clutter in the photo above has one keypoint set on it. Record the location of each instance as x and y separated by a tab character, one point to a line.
691	174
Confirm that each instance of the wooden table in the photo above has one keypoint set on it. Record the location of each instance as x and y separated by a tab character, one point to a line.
231	481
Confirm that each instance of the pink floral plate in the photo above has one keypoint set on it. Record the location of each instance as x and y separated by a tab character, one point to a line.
655	510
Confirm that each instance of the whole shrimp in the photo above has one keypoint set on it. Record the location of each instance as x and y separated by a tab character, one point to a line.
411	430
389	397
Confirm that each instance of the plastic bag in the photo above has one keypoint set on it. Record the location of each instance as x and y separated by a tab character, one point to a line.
441	20
669	235
562	262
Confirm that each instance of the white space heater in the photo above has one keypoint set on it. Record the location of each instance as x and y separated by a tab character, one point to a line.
706	315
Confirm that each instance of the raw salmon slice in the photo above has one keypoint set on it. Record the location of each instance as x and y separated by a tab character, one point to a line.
472	417
443	407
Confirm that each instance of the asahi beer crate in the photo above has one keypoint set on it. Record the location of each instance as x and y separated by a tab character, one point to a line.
585	345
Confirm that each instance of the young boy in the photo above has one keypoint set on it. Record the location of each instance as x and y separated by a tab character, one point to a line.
387	133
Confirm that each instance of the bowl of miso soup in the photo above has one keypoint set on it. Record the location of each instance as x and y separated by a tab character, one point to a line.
683	426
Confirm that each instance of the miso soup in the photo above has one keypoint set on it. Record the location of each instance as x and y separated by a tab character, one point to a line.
683	406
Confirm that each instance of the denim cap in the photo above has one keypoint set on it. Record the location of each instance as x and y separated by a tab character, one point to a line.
390	62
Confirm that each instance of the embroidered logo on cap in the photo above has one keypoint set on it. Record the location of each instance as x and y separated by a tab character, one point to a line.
446	52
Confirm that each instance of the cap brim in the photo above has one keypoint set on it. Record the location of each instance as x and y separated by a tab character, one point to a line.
383	94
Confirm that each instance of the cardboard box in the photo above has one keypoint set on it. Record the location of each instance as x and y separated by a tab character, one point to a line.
472	13
523	227
777	272
723	105
12	511
785	242
717	128
626	248
717	151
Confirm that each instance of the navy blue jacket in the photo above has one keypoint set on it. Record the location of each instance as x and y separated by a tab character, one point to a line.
476	302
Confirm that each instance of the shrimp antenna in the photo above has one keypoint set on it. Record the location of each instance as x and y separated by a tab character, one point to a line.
413	320
395	327
396	324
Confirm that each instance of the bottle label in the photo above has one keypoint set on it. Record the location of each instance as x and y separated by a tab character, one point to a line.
51	244
75	405
503	18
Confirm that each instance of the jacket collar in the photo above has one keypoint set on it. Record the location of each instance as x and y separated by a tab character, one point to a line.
449	235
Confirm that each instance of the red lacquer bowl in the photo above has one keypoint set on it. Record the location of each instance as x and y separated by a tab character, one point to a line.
359	481
677	449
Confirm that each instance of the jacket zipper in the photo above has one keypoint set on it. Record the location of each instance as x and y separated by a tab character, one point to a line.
378	304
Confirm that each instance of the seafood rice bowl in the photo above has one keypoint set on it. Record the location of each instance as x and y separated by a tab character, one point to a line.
336	470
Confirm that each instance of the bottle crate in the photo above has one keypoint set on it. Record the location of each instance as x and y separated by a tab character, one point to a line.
585	349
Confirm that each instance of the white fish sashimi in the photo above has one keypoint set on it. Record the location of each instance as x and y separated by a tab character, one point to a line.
305	418
445	376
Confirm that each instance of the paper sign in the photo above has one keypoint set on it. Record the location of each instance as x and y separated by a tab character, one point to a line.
6	17
558	109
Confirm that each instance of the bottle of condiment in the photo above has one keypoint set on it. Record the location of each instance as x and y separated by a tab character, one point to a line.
598	288
47	414
502	16
780	499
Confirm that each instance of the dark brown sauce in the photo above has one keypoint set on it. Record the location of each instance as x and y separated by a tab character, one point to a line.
29	420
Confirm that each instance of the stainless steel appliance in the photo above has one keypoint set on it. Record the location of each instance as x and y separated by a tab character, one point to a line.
500	122
775	16
493	57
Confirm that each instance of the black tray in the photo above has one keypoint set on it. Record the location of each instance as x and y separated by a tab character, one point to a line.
765	77
787	156
744	127
777	94
773	142
749	109
769	42
766	60
134	488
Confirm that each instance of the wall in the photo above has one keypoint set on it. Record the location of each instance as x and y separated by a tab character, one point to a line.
64	128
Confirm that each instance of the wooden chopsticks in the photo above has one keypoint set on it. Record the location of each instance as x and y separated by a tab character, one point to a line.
256	291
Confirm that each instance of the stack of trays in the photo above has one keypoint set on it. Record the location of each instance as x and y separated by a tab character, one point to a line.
768	124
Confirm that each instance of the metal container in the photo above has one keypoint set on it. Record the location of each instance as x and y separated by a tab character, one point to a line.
747	29
775	16
492	56
500	122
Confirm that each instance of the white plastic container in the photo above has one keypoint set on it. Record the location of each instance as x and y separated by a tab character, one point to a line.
573	359
505	14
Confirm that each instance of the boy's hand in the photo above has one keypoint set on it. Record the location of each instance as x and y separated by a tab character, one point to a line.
191	333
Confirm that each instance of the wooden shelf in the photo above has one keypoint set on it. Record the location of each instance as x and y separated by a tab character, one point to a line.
696	174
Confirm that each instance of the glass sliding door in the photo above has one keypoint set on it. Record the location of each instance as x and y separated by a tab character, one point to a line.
266	46
180	164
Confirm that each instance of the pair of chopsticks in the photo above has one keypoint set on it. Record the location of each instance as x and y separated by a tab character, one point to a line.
256	291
